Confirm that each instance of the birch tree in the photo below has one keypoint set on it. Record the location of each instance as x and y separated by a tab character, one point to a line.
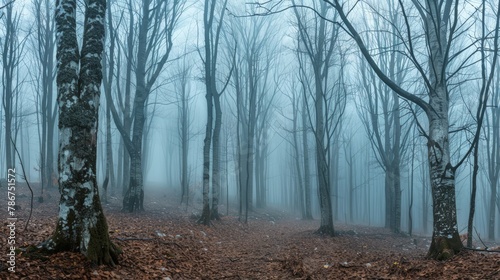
441	28
81	225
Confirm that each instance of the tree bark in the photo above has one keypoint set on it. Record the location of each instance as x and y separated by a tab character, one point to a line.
10	60
81	225
305	149
445	238
216	176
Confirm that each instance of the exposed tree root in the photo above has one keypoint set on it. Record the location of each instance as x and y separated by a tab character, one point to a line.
443	248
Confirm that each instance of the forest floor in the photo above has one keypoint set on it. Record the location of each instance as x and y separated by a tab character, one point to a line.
165	242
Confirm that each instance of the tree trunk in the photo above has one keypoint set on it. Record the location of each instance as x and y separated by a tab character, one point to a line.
445	238
305	148
393	197
205	214
493	152
109	179
216	176
134	197
81	225
424	169
326	226
350	172
184	152
298	166
10	61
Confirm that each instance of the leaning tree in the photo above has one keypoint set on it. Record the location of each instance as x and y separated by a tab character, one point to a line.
81	225
440	58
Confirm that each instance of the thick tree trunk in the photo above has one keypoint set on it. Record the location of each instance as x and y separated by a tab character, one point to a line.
81	225
445	238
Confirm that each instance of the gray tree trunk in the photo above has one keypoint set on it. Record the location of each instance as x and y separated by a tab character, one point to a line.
492	131
81	225
445	238
10	60
438	21
216	175
305	149
45	42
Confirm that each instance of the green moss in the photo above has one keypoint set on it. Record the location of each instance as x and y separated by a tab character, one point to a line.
443	248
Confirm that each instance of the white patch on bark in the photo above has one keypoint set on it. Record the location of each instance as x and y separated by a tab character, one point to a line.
77	164
87	224
89	197
64	136
63	217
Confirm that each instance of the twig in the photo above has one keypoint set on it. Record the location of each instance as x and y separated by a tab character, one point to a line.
478	236
7	4
481	250
25	179
133	238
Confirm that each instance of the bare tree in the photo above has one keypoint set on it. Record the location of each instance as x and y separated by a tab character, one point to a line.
108	64
81	225
487	74
184	100
381	115
212	24
11	51
44	45
441	28
318	42
492	139
254	56
155	33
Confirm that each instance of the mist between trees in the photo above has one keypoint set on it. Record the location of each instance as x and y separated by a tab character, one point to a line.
382	113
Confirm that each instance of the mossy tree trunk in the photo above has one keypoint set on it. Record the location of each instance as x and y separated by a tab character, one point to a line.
81	225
